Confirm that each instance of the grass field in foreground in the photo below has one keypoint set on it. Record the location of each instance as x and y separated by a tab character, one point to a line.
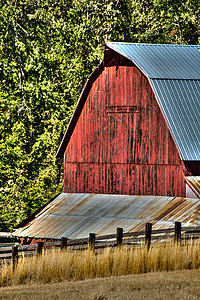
177	285
58	265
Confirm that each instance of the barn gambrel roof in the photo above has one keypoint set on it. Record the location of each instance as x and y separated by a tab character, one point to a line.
174	74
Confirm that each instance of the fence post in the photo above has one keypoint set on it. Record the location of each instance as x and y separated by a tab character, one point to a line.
63	243
177	235
14	255
92	240
148	234
39	247
119	236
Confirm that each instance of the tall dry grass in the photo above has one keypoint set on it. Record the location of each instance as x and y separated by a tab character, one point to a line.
58	265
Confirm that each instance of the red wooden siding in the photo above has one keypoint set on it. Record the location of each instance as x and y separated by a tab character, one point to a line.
121	143
126	179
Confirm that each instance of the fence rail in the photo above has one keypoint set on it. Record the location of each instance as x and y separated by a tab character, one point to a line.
131	238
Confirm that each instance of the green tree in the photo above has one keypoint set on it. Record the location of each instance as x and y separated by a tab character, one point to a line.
165	21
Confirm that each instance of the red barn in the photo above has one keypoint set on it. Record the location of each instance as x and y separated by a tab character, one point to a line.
136	127
132	148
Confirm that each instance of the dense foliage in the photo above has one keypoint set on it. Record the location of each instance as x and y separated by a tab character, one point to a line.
47	50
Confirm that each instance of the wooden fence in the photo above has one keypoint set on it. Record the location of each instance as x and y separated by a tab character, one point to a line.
131	238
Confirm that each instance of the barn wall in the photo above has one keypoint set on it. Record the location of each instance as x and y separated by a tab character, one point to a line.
121	143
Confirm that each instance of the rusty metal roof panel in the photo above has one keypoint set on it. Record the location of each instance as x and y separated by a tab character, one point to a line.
162	61
184	210
194	183
76	215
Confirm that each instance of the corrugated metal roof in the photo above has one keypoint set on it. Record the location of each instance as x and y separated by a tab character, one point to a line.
194	183
174	73
76	215
180	102
162	61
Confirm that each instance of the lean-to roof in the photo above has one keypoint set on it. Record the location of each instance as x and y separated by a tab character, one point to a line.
74	215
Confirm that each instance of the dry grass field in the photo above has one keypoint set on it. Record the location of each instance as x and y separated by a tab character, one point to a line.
65	274
181	285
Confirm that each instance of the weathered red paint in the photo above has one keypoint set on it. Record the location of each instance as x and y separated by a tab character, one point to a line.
121	143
